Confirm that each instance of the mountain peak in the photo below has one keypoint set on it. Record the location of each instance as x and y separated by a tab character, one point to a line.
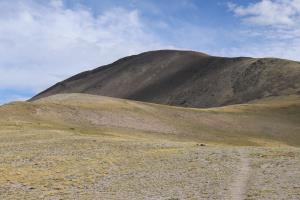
186	78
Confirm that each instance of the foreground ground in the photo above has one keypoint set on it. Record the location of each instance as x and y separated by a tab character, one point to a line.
62	148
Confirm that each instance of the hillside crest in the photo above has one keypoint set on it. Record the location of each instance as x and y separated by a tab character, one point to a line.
186	78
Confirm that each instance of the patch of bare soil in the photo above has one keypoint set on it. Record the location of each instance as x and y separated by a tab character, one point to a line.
239	185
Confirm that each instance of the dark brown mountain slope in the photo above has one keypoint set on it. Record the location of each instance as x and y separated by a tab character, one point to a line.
186	78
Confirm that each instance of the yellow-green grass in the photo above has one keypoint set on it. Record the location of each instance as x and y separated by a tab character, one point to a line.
271	121
78	146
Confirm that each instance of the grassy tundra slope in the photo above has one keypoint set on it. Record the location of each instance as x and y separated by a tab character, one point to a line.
83	146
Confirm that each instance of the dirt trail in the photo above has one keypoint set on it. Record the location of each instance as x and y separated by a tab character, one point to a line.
239	184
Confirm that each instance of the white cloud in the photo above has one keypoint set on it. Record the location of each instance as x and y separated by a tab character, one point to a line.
272	27
41	44
276	13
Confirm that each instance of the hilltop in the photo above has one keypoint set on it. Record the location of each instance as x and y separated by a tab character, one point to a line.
186	78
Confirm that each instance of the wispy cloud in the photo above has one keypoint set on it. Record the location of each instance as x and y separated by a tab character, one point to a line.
41	44
276	13
272	25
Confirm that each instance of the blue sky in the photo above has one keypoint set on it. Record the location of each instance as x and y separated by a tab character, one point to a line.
43	42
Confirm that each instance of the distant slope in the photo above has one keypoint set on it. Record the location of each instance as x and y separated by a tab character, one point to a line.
270	121
185	78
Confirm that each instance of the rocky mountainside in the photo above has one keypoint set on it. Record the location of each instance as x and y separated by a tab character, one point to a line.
186	78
